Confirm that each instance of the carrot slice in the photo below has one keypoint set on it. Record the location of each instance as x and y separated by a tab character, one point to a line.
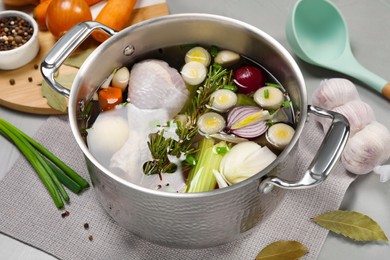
109	98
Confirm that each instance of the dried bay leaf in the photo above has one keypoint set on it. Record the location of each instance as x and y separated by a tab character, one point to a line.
351	224
55	99
282	250
76	60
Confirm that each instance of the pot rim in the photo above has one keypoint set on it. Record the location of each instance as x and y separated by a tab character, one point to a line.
194	16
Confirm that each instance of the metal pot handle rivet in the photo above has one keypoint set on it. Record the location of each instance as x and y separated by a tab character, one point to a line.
64	47
129	50
325	159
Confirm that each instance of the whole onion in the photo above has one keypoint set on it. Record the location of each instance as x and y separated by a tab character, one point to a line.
247	121
248	79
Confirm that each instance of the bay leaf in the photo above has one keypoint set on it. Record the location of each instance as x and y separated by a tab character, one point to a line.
77	59
55	99
351	224
282	250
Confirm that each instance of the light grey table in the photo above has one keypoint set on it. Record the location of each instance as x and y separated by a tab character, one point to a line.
369	29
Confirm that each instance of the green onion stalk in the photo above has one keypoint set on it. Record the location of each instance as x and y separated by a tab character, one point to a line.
53	172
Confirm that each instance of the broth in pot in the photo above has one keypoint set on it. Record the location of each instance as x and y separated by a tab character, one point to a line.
189	118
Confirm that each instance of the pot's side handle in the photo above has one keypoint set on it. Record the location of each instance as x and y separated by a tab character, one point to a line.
64	47
325	159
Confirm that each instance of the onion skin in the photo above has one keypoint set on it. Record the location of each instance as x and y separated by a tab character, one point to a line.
64	14
251	130
248	79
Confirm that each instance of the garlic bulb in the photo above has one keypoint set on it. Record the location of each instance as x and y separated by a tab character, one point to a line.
367	148
358	113
334	92
245	160
369	142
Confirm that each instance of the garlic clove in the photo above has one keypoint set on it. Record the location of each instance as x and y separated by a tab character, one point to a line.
227	58
358	113
121	78
334	92
368	148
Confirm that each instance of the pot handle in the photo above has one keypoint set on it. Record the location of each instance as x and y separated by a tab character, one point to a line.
64	47
325	159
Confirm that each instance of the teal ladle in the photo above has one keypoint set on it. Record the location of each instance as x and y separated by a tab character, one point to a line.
318	34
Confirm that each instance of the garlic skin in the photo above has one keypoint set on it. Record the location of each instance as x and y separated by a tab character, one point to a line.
367	149
245	160
358	113
369	143
334	92
383	171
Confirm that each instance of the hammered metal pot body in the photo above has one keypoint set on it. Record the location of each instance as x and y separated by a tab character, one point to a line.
200	219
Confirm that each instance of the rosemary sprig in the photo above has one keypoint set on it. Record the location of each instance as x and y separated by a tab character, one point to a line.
160	147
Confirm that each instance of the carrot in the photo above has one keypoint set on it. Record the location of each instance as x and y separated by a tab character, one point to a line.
20	2
115	14
40	11
109	98
92	2
39	14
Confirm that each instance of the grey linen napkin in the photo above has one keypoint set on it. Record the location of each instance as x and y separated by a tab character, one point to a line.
28	214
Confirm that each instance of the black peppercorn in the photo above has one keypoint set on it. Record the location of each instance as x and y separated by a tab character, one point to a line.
14	32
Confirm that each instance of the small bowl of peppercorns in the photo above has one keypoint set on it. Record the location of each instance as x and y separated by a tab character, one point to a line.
18	39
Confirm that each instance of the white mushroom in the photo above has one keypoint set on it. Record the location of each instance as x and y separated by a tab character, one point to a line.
334	92
368	148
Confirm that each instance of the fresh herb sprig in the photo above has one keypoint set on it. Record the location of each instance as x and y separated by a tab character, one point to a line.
160	147
51	170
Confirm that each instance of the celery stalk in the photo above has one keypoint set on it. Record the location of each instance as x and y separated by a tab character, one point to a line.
201	177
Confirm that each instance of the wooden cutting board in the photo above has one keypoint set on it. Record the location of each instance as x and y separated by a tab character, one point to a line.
25	94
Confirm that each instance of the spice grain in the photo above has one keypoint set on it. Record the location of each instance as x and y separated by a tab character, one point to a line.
14	32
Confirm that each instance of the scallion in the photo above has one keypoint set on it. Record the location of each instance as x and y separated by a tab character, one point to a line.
51	170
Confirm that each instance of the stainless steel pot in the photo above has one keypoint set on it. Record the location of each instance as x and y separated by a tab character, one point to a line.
198	219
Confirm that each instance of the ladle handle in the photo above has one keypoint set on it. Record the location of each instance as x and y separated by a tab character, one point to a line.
348	64
325	159
64	47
